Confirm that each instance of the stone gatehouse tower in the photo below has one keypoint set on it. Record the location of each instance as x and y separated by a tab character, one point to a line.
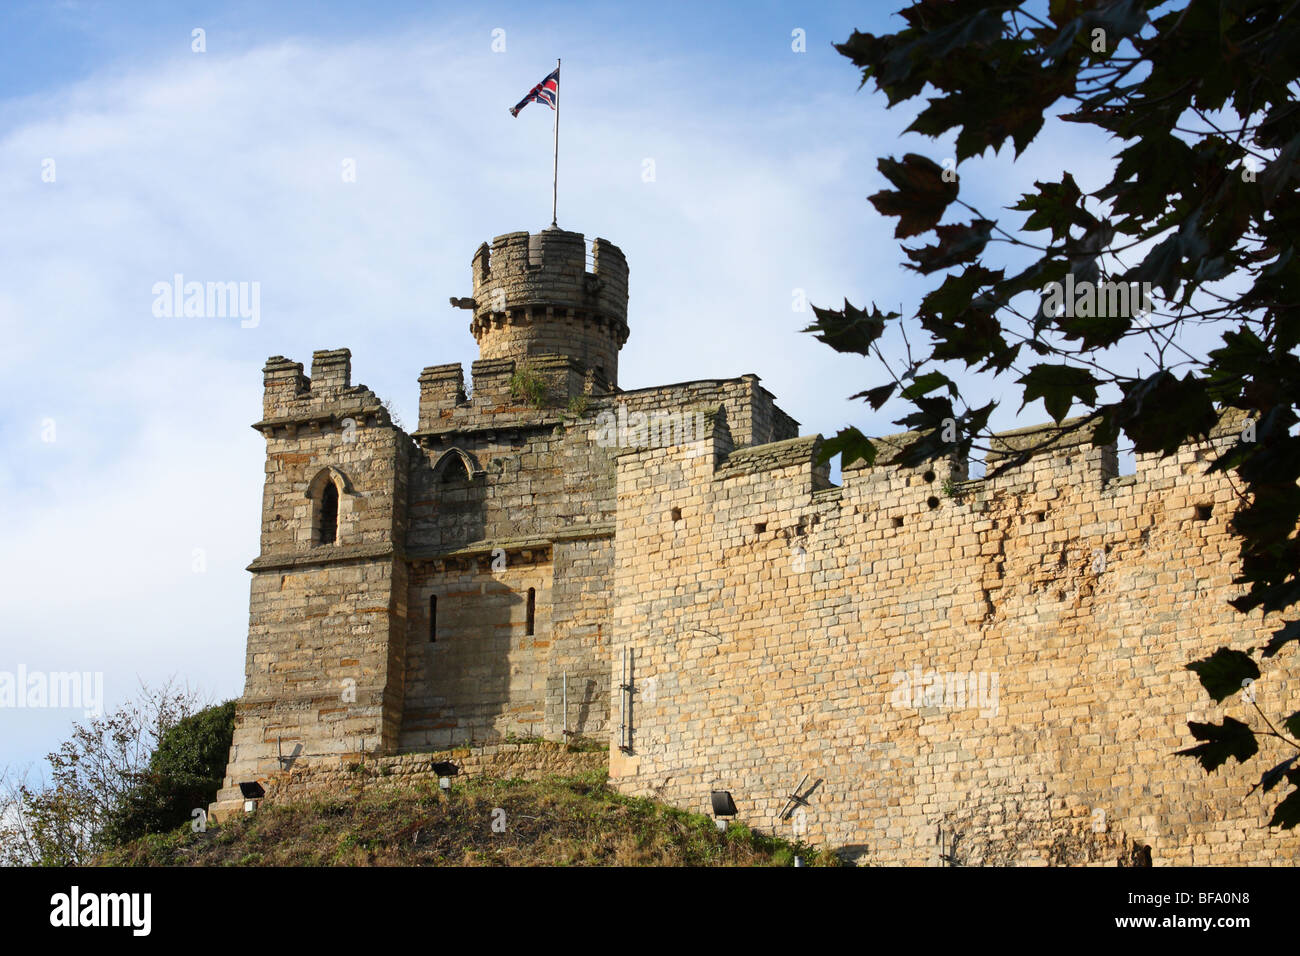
961	671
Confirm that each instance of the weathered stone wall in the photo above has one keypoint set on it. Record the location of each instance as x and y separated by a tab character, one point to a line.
781	629
533	481
482	677
354	776
486	499
581	626
750	411
324	672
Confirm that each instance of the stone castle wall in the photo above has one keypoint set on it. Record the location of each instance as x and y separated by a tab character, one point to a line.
779	628
323	673
967	672
522	761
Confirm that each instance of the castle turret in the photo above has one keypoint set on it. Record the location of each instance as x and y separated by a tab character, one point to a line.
540	295
323	677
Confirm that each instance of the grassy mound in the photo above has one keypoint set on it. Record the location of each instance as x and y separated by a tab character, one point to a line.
560	821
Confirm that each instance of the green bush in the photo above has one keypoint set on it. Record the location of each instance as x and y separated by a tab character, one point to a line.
184	774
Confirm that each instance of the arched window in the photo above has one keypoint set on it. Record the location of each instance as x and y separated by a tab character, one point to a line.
325	492
454	470
455	466
329	514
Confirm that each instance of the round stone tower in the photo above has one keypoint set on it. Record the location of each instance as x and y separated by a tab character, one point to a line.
540	295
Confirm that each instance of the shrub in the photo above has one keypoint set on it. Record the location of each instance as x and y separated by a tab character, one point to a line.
184	774
526	385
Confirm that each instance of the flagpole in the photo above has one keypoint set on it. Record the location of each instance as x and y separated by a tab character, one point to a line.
555	168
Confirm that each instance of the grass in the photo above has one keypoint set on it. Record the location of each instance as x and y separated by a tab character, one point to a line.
526	385
577	406
513	738
558	821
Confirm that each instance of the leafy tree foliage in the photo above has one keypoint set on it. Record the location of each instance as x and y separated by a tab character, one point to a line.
67	818
184	775
1202	205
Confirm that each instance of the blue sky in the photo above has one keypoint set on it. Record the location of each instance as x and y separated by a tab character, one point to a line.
224	165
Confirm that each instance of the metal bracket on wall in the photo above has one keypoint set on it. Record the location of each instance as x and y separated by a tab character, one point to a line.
286	763
948	855
797	799
625	697
564	695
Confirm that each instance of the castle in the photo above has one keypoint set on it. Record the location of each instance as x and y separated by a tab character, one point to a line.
911	667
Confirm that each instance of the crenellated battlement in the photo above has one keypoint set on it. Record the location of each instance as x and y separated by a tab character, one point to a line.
1063	464
291	399
550	268
801	453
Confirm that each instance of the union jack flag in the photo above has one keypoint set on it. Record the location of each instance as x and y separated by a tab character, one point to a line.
546	92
